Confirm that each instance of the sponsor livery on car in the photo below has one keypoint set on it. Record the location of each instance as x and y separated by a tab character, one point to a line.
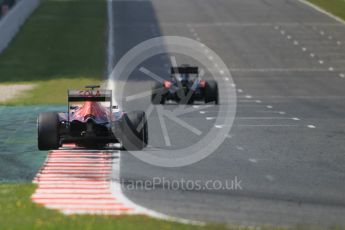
92	121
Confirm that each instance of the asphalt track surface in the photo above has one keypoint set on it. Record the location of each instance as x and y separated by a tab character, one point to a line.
287	142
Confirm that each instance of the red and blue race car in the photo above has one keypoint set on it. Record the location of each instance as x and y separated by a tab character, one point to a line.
92	121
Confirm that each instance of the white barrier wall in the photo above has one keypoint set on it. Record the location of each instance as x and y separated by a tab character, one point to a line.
14	19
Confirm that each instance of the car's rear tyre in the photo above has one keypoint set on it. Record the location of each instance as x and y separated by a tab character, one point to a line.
158	94
134	131
211	92
48	131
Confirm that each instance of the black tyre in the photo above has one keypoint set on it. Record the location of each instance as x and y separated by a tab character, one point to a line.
134	131
158	94
48	131
211	92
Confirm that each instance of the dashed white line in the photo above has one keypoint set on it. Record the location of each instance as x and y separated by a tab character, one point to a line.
269	106
258	101
321	62
239	148
269	177
253	160
295	119
342	75
311	126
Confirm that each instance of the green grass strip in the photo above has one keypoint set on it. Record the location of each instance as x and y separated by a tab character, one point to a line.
336	7
18	212
61	45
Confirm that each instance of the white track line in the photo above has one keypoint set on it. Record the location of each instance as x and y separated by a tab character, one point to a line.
110	48
322	11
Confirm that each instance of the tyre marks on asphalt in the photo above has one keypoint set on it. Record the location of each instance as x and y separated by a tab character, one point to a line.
78	182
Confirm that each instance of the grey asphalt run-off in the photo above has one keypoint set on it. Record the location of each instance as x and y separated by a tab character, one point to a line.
286	144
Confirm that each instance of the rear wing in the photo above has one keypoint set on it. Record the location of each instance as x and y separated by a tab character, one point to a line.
184	70
100	95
